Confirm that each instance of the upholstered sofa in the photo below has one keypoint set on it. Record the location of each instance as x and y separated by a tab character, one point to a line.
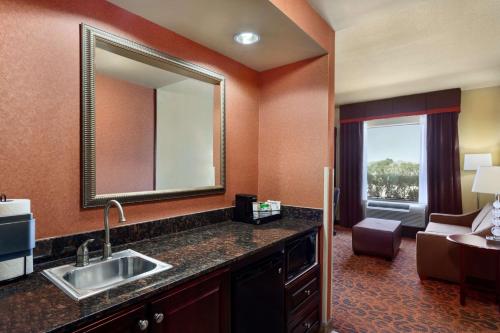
439	258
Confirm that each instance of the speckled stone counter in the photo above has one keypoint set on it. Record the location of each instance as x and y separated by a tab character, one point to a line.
34	304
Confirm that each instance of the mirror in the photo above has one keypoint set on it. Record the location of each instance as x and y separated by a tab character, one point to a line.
152	124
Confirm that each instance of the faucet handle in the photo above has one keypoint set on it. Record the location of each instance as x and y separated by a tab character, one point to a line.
85	244
82	254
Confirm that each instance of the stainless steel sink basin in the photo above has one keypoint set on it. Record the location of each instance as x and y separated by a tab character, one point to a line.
101	275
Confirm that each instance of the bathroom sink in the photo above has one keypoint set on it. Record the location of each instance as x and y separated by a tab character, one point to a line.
101	275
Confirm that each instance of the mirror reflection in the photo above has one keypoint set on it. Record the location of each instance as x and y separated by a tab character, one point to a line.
155	128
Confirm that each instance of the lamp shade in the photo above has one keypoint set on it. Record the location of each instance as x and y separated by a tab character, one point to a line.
487	180
474	161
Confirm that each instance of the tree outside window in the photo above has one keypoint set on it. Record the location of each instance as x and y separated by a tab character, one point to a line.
393	149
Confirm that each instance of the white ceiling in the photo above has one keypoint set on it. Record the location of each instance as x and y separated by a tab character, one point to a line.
130	70
213	23
387	48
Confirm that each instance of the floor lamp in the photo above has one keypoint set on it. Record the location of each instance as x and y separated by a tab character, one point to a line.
473	161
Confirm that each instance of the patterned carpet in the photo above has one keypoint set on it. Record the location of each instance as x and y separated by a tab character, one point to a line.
374	295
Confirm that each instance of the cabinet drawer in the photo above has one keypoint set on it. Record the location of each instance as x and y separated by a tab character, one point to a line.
125	321
309	323
302	290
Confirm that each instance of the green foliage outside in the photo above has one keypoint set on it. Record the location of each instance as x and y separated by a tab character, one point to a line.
391	180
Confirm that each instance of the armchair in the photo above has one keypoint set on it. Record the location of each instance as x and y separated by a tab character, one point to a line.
438	258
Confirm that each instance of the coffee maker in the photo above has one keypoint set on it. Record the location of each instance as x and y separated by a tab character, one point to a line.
243	209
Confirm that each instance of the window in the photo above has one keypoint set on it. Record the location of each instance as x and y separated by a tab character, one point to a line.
394	159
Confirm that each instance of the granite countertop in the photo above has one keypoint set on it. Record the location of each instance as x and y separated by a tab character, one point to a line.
34	304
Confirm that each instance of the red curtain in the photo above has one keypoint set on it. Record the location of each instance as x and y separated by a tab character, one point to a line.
443	164
351	173
442	101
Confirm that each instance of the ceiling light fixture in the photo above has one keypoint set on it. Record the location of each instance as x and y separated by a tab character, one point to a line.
246	38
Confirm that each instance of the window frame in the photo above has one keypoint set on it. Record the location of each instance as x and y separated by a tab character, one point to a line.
422	176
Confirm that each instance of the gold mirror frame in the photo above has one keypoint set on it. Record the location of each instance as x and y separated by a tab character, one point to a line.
89	38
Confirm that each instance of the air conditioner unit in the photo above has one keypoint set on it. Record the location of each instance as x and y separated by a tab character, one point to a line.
410	214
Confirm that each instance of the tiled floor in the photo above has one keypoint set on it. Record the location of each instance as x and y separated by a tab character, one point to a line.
374	295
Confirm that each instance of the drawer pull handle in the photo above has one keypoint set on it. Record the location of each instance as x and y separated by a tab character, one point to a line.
143	324
307	325
308	292
158	317
280	270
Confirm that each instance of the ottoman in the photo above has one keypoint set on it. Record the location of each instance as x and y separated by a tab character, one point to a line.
377	237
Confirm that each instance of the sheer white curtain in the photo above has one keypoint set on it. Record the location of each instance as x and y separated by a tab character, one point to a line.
422	177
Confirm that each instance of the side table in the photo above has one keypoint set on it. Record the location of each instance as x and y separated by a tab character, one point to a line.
467	242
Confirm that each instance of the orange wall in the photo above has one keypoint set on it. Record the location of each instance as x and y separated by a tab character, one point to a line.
305	17
293	133
40	111
125	129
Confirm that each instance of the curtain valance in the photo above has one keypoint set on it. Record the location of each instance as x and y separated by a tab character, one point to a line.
434	102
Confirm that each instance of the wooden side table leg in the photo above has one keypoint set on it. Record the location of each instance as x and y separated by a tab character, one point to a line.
462	275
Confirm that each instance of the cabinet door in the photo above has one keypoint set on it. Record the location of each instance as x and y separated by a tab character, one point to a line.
131	320
199	306
257	295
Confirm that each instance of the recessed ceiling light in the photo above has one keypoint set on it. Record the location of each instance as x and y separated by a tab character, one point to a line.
246	38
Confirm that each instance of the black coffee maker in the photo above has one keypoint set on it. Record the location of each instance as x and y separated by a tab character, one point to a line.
243	208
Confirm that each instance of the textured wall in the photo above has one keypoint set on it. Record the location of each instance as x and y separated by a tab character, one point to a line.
300	96
293	133
185	135
303	15
479	132
40	110
125	125
308	20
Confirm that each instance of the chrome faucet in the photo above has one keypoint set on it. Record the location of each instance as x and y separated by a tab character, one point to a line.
106	249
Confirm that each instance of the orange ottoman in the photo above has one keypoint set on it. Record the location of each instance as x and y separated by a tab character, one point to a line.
377	237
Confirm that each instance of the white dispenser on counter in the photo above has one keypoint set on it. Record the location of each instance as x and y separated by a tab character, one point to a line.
17	238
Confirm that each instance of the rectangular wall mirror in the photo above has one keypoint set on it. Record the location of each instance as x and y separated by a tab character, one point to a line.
152	124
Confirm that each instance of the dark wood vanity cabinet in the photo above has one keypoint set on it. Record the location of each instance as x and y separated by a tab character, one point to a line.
198	306
126	321
302	298
279	292
257	296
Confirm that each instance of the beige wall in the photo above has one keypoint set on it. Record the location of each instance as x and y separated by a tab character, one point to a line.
185	115
479	132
